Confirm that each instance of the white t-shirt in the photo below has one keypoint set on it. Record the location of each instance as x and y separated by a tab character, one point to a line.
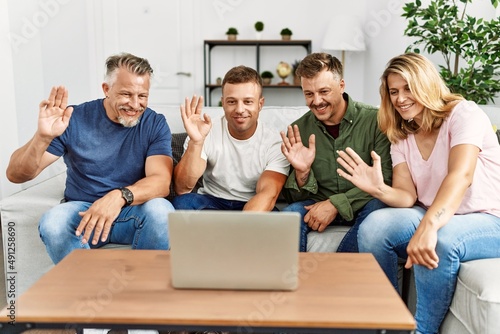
234	166
467	124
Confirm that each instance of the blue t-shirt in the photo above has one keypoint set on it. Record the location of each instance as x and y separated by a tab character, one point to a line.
102	155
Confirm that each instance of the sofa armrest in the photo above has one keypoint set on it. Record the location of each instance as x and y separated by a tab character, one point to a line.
22	211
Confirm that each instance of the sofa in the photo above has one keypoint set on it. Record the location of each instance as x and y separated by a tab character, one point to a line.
474	309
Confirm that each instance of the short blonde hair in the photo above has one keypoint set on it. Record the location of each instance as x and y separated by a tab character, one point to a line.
427	88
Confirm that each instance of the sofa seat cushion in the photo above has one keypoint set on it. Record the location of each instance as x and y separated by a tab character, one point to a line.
476	302
326	241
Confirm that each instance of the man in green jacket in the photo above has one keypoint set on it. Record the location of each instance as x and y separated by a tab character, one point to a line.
334	122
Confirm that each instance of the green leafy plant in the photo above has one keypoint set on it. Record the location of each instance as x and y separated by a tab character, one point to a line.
295	64
470	46
286	31
259	26
232	31
267	74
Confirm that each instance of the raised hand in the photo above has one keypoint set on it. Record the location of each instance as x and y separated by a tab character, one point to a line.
367	178
54	114
299	156
197	127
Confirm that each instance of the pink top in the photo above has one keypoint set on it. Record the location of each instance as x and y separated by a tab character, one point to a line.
467	124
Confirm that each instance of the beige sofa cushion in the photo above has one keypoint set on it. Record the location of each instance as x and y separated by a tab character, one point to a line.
475	307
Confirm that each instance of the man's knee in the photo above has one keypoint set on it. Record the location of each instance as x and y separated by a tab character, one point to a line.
185	201
297	207
58	222
155	212
157	206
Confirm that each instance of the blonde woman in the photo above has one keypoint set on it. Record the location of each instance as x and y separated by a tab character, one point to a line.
444	199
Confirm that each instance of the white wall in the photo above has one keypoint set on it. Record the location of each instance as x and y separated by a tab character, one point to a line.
8	126
52	42
306	19
45	45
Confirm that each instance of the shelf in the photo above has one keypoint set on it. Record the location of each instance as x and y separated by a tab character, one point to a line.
257	44
264	86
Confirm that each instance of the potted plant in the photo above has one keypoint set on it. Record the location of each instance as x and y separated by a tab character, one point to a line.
470	46
232	33
267	76
259	27
296	78
286	34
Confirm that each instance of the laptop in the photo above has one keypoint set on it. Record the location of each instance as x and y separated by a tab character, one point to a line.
234	250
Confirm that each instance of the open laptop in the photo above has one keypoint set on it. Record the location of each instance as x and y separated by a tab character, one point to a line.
234	250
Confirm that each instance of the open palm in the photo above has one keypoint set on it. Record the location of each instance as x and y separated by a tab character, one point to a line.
365	177
54	114
298	155
197	126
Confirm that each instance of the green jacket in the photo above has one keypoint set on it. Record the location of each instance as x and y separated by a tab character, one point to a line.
358	130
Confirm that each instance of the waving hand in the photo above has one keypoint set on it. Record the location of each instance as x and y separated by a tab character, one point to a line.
299	156
367	178
54	113
197	127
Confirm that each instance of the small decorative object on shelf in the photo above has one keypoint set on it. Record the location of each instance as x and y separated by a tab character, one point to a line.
252	47
259	26
284	69
218	81
267	76
286	34
296	78
231	34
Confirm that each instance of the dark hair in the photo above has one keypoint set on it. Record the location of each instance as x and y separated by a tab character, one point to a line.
242	74
314	63
133	64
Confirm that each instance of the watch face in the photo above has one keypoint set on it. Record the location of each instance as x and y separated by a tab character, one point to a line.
127	195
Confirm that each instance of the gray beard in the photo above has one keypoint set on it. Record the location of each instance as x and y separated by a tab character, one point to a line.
127	123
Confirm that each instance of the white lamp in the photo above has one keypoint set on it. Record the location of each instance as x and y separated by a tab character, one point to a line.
344	34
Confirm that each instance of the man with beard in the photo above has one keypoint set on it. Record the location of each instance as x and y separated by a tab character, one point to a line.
333	123
119	164
238	157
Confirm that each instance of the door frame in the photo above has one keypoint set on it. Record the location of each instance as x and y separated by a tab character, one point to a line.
100	46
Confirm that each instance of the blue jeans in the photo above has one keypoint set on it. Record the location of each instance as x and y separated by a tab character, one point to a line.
194	201
349	243
143	226
386	234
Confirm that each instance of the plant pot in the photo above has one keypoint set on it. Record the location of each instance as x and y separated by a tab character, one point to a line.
258	35
231	37
266	81
286	37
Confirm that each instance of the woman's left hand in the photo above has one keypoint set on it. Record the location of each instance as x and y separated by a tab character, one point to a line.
422	248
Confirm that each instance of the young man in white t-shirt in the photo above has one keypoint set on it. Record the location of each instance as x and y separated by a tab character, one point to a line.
239	157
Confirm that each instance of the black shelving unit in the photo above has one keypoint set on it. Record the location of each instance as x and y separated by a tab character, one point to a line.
257	44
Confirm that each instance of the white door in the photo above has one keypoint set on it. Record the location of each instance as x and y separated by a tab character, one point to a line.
153	29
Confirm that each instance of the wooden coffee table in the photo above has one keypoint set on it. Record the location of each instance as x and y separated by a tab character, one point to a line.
131	289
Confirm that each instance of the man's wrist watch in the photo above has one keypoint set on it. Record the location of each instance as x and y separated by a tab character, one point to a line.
127	195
